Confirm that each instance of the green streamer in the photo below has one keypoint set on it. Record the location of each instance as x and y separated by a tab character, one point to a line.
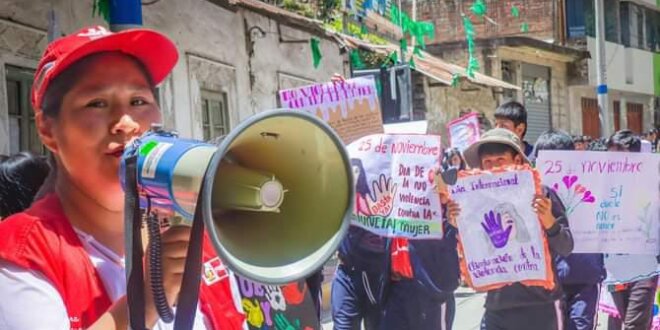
101	8
417	30
411	63
524	27
455	78
392	58
356	60
515	12
316	51
473	63
479	8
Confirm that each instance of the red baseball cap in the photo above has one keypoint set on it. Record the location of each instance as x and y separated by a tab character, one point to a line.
157	52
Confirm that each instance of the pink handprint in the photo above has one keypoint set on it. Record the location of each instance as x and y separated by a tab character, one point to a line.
496	232
384	191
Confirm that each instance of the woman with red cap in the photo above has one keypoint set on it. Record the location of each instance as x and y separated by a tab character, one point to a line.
61	261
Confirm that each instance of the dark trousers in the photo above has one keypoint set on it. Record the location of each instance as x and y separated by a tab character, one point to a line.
354	299
408	307
581	306
635	305
537	317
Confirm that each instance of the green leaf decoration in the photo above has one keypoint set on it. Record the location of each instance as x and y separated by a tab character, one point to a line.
418	51
101	8
524	27
515	12
356	60
455	79
410	28
363	29
479	8
403	43
411	63
393	58
473	63
316	51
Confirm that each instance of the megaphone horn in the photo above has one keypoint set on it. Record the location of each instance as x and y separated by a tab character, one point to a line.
277	191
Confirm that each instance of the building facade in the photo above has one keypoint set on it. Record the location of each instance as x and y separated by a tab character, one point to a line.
232	62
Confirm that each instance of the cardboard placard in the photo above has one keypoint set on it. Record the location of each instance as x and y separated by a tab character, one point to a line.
279	307
501	239
464	131
394	185
611	198
350	107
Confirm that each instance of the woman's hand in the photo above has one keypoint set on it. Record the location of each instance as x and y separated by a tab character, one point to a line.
173	252
453	211
543	207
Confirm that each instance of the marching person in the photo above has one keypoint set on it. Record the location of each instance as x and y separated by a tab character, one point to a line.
64	256
21	175
634	299
513	116
580	274
517	306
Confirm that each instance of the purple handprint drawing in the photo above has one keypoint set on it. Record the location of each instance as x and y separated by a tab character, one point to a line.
496	232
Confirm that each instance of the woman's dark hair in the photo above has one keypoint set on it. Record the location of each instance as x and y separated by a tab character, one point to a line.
553	140
598	145
62	83
361	185
626	140
447	157
514	112
490	149
21	176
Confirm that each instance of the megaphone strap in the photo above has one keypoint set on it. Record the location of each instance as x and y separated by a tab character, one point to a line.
189	294
133	243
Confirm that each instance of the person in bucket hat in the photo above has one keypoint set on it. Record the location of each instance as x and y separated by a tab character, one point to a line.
61	261
516	306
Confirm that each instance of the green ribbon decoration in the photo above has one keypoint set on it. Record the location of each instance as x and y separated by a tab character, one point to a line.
316	51
393	58
418	30
479	8
473	63
455	79
515	12
524	27
403	43
101	8
356	60
411	63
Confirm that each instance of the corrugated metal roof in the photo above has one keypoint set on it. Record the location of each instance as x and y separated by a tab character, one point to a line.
430	65
426	64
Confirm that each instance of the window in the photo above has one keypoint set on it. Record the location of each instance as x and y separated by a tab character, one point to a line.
575	18
215	115
652	25
611	20
22	130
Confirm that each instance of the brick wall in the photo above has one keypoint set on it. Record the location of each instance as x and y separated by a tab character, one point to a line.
446	16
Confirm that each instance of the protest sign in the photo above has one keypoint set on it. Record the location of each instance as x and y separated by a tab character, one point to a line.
464	131
394	191
277	307
350	107
500	236
611	198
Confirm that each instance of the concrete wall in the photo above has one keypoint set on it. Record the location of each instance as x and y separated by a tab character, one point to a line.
624	64
214	53
576	93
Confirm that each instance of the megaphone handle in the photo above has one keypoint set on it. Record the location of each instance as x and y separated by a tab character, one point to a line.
156	270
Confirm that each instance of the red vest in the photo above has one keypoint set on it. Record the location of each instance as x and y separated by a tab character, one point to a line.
43	240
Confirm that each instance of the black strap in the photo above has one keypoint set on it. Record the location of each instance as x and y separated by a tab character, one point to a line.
189	294
133	247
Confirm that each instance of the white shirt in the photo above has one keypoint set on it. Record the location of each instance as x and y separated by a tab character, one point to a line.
30	301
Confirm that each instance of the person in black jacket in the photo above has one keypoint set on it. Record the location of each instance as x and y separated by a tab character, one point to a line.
580	274
518	306
513	116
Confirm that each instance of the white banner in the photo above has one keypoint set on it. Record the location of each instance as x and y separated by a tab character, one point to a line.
611	198
394	188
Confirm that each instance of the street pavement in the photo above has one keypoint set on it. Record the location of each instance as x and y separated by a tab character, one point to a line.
469	309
